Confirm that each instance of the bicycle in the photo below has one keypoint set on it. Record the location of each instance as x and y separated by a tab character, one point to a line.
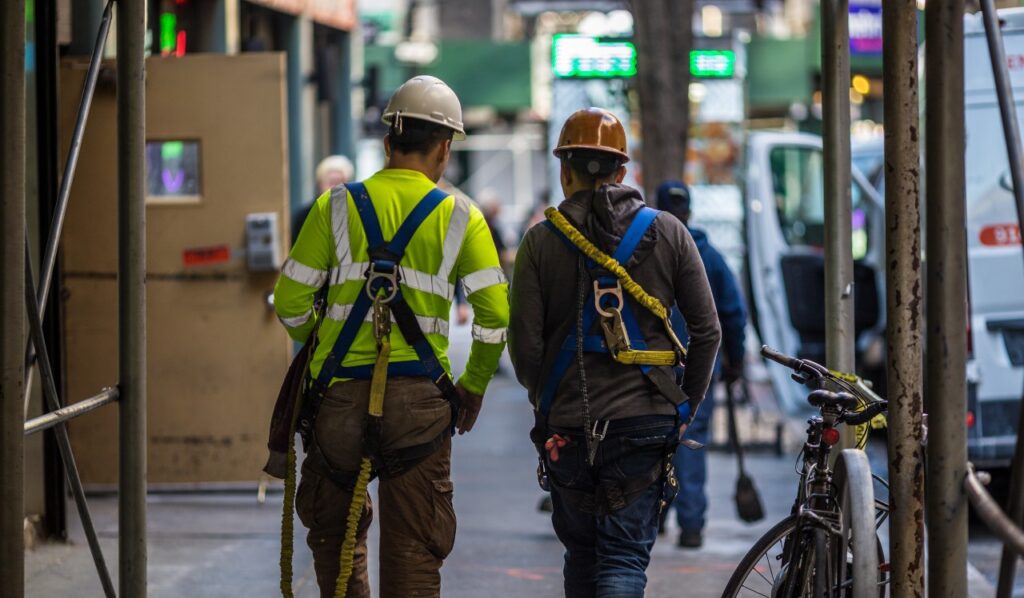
828	546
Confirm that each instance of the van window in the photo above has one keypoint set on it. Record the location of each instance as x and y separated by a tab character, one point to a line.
798	186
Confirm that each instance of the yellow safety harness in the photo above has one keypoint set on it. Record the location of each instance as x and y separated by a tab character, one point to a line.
611	316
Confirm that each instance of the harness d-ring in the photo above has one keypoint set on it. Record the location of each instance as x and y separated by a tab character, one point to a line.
601	292
389	278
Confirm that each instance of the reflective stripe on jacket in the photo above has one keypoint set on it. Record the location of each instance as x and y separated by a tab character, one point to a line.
453	242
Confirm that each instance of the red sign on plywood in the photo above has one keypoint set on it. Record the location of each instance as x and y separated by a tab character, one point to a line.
996	235
202	256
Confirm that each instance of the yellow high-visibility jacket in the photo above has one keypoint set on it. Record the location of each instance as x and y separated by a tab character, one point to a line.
453	242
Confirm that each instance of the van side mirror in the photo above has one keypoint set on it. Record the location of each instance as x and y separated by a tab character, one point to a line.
1006	181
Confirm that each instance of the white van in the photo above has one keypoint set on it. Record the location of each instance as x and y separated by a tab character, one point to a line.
785	235
995	259
784	208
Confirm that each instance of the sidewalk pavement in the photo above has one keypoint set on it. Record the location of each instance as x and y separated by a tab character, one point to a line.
227	545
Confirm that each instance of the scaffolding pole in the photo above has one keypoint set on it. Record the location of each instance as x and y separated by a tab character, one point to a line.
903	297
946	339
12	296
835	61
131	130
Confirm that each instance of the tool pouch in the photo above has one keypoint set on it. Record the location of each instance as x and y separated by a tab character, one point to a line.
284	410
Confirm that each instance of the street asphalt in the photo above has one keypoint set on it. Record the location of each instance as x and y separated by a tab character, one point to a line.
226	544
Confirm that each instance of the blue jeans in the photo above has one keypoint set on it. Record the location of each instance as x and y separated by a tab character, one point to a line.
692	471
606	556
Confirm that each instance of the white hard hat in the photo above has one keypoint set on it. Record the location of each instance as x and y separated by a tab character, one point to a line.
426	98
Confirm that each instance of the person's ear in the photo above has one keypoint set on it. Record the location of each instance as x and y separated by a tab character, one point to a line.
445	151
387	145
566	173
621	174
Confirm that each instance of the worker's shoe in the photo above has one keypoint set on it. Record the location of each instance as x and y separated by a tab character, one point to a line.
690	538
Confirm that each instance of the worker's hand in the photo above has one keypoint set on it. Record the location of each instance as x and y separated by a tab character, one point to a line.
682	430
468	410
462	314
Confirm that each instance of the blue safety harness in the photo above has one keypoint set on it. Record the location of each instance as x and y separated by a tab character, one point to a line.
595	343
383	277
609	494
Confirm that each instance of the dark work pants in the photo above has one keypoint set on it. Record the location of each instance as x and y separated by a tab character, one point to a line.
607	556
417	518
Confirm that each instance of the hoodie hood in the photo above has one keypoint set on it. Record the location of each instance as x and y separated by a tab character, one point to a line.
604	215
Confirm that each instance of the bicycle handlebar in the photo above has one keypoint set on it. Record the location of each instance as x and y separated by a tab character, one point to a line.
869	413
781	358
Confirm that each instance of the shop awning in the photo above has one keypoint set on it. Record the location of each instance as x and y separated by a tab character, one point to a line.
340	14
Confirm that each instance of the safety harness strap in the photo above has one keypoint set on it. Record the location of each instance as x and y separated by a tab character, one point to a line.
384	259
637	228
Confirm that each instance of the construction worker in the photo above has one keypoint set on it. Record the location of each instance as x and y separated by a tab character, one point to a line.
691	503
591	341
389	250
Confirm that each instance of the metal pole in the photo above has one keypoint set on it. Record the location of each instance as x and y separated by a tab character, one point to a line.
992	514
63	442
131	283
835	66
946	342
12	296
65	414
903	297
1011	132
70	165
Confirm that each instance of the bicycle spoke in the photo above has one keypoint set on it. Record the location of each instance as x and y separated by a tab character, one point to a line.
766	580
755	591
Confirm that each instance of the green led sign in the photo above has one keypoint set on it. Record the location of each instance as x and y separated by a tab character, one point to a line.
583	56
720	64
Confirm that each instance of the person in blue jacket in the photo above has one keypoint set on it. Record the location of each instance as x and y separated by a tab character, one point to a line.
691	465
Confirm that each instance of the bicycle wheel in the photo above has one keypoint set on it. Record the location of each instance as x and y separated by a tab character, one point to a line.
855	550
770	563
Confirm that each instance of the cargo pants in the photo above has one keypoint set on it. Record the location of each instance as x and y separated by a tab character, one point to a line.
417	518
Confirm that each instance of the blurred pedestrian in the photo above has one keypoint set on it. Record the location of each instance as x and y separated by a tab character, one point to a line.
691	465
330	172
607	416
491	205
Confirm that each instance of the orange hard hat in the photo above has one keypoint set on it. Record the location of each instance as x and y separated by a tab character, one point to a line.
593	129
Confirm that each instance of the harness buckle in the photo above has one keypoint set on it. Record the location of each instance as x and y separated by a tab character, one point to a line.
615	334
381	320
382	274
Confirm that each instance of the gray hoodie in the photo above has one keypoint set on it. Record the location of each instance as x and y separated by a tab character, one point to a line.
544	299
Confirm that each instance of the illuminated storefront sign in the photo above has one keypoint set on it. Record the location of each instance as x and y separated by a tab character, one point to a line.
583	56
711	64
866	26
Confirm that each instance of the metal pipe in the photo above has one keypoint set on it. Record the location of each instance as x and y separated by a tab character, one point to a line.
946	267
131	294
988	509
835	92
52	399
903	297
64	192
12	296
1011	133
64	414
